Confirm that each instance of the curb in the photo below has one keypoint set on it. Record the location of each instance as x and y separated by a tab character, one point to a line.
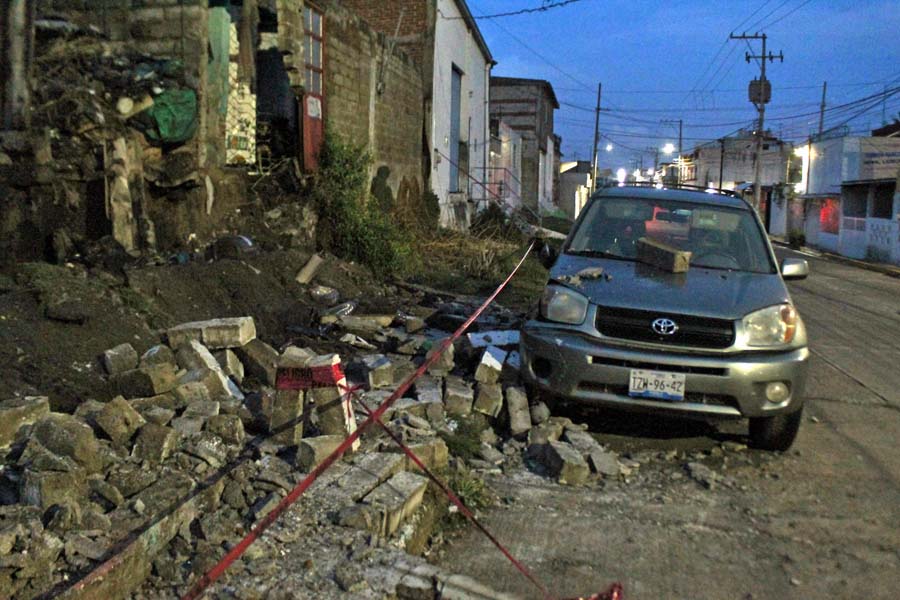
888	270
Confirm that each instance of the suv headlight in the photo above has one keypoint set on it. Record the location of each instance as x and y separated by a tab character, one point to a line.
773	326
563	305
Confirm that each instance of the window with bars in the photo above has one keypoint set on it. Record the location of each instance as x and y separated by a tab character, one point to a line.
314	48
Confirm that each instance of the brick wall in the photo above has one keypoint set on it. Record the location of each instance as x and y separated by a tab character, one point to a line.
374	97
385	15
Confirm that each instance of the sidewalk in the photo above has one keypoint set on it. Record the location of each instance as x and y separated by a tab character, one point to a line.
886	269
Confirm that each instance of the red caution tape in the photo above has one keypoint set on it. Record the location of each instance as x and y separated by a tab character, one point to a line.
217	571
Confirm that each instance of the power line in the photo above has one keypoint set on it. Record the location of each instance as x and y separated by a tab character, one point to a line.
523	11
786	15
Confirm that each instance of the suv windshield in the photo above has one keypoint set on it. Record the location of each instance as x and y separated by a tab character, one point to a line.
717	237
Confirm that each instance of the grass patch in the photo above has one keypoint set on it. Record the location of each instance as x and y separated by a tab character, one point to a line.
465	442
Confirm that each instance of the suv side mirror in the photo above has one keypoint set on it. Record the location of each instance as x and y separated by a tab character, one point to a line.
794	268
547	254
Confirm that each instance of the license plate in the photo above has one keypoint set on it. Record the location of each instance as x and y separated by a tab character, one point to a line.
657	385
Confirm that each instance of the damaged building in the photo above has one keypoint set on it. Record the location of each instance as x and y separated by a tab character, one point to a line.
151	121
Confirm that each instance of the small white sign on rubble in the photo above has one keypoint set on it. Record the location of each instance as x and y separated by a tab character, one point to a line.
494	338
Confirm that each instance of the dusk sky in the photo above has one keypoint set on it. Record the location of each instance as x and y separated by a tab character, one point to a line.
673	60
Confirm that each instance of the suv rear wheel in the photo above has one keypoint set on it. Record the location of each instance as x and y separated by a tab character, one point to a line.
775	433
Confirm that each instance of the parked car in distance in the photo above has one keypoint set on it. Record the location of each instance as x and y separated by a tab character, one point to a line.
721	339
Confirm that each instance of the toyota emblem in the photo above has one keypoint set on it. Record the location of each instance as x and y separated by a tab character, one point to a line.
664	326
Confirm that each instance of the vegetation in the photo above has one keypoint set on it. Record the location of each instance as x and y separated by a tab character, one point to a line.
354	228
796	238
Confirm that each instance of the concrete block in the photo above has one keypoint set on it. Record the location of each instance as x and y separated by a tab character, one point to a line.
19	412
539	413
429	389
189	393
491	365
46	488
119	359
145	381
368	472
458	396
565	463
397	499
582	441
519	414
379	371
193	355
310	269
228	427
312	451
119	420
67	436
445	363
228	333
489	399
215	334
204	408
260	361
158	355
230	364
155	443
604	463
433	453
287	417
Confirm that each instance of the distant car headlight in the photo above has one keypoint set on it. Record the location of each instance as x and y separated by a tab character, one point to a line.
773	326
563	305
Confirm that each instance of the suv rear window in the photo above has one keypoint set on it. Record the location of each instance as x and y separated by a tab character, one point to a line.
718	237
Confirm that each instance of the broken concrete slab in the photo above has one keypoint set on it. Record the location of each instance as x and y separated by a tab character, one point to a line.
565	463
312	451
489	399
186	394
230	364
155	443
484	339
519	414
429	389
491	365
458	396
583	441
260	360
397	499
368	472
17	413
119	359
188	426
119	420
433	453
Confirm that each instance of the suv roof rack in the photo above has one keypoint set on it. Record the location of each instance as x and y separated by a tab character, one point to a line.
674	186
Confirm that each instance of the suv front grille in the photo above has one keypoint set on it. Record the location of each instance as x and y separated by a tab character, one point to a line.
698	332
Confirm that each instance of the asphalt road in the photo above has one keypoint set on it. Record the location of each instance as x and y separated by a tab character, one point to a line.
820	521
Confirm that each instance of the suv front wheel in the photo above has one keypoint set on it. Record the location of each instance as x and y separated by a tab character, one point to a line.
775	433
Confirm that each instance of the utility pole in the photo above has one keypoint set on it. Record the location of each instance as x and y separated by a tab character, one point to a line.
595	157
655	151
721	160
822	108
680	140
760	95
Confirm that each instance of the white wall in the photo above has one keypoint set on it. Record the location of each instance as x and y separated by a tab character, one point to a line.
454	45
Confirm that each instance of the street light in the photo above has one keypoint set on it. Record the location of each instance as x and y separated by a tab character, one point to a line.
669	148
609	147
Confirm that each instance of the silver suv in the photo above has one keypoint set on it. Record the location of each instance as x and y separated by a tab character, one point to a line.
620	326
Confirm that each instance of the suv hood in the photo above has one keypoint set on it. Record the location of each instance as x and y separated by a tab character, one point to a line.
701	291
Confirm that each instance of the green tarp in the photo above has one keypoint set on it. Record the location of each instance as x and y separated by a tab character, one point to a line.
173	117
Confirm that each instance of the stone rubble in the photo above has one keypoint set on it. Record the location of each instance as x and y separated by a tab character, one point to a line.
208	432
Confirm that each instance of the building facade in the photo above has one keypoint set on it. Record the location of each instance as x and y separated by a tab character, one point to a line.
574	187
504	174
455	67
849	196
528	106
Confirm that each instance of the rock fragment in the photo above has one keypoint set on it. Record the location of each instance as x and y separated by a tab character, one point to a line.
119	359
17	413
519	414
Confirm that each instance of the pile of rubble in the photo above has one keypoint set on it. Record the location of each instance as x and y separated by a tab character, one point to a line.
167	476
